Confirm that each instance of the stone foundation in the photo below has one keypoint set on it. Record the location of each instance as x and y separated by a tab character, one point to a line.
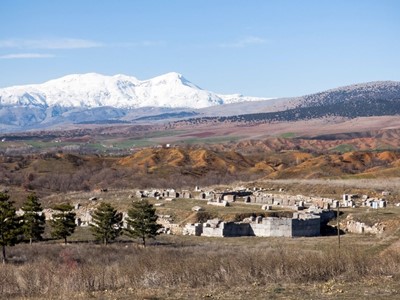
300	225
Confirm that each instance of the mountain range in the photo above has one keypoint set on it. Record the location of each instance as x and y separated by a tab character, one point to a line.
120	91
98	99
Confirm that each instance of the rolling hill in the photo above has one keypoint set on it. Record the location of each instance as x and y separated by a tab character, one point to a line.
186	167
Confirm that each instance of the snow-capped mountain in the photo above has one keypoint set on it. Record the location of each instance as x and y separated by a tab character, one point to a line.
120	91
96	98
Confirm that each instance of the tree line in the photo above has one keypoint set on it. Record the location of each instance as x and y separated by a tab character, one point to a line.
106	226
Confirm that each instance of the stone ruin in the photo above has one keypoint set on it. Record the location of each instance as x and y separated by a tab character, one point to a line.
353	226
218	203
375	203
301	224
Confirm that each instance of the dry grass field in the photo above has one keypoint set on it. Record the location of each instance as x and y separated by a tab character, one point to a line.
182	267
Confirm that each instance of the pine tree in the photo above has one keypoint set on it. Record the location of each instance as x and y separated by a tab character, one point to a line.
142	221
63	223
10	226
107	223
33	219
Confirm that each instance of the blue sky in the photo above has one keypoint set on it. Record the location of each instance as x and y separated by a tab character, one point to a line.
257	48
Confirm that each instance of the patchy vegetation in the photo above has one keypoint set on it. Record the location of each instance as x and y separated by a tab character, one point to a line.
185	167
208	268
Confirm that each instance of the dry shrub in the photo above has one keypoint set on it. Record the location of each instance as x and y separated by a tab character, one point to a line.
55	271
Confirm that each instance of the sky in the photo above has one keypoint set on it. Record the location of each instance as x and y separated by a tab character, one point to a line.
264	48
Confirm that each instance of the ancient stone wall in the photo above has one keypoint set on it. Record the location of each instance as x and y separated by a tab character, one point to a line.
306	227
232	229
213	231
275	227
267	227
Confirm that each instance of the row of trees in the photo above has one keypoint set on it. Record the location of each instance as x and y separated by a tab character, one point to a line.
141	222
106	226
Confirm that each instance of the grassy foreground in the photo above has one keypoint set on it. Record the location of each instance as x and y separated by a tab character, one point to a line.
179	267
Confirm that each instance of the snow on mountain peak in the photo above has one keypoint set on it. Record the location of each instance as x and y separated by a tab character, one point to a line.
121	91
170	75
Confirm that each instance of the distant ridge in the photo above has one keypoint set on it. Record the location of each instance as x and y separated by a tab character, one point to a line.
381	98
370	91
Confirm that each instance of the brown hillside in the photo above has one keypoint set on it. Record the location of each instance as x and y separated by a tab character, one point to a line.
336	165
183	167
198	160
